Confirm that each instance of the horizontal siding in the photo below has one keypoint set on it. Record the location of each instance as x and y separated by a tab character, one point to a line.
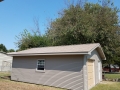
60	71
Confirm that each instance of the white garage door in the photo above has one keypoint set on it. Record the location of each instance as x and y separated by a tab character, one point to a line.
90	71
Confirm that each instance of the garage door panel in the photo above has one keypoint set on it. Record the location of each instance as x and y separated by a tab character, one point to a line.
90	83
90	71
90	76
90	63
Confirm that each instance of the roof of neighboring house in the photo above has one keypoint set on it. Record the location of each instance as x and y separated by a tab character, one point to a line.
61	50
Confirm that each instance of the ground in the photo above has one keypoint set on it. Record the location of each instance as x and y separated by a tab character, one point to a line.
107	85
12	85
6	84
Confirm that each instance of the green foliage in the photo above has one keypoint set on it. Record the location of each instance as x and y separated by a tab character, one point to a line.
28	40
92	23
11	50
117	58
3	48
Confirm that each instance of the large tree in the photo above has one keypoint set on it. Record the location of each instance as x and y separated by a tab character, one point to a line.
3	48
91	23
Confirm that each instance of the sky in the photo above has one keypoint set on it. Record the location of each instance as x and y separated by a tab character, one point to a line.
17	15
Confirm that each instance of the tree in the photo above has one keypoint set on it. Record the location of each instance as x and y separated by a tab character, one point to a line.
3	48
11	50
30	40
117	58
91	23
1	0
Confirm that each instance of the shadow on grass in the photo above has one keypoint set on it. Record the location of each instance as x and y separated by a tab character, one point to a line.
6	77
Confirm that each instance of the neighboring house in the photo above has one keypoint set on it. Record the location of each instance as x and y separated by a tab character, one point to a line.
74	67
5	62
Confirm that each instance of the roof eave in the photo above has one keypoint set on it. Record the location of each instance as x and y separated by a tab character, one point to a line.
94	48
100	50
36	54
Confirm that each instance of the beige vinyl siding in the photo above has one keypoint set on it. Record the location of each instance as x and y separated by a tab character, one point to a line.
60	71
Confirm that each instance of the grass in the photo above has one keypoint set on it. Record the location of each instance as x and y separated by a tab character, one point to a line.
105	85
112	75
13	85
2	74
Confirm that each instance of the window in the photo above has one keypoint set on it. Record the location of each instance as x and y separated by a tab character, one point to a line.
41	65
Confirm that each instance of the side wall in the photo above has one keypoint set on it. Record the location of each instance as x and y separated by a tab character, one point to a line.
5	62
60	71
95	56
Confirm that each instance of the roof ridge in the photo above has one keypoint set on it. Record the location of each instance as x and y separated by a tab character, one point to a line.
64	45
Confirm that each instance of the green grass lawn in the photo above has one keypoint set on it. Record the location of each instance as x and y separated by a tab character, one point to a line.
112	75
4	74
105	85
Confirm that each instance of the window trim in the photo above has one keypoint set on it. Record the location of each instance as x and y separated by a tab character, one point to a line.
37	66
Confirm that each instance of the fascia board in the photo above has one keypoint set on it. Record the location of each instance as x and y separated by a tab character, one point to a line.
93	49
31	54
